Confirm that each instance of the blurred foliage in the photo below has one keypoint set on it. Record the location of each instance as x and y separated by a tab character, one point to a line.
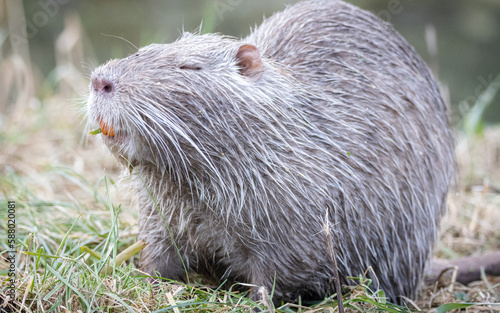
473	124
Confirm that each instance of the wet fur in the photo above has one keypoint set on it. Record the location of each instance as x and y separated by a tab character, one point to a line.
346	119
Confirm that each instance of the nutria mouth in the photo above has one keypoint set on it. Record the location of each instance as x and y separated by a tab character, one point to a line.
119	137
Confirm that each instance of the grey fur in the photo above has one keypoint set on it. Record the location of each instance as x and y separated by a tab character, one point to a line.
346	119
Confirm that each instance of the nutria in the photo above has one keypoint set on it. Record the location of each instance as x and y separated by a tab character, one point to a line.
240	148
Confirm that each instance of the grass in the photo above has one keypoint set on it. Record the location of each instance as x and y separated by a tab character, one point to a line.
69	194
55	273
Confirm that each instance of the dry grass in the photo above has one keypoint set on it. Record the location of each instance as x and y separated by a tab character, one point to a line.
63	185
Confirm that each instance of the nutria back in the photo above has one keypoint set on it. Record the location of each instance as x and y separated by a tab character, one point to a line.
240	148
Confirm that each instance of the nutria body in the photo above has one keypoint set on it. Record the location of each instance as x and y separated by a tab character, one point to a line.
240	148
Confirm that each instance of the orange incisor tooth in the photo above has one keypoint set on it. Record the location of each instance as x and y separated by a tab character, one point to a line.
106	130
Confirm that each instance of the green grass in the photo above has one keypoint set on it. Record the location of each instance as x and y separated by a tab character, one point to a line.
54	272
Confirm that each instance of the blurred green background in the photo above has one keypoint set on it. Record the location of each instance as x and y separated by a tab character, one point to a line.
467	32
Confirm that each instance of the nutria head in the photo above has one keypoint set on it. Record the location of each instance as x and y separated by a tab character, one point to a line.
159	105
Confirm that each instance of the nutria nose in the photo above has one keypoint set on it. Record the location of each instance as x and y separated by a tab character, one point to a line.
102	85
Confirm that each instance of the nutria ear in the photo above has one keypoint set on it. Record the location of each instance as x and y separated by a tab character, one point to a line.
249	61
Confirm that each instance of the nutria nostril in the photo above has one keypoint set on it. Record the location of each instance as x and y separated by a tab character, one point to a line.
102	85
